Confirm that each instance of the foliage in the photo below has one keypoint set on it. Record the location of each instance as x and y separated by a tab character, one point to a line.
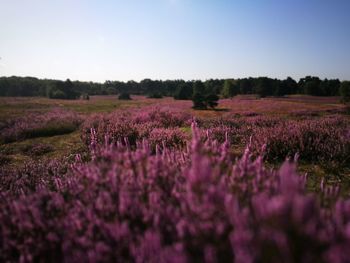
155	95
183	92
230	88
345	91
62	90
124	96
203	97
179	89
201	102
84	96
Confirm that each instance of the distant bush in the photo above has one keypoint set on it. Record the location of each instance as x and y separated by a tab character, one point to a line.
203	102
57	94
84	96
124	96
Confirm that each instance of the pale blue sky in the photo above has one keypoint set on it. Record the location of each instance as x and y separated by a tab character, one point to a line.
169	39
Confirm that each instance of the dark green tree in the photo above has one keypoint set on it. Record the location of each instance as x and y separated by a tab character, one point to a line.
183	92
155	95
124	96
199	101
199	87
286	87
330	87
203	97
245	86
310	86
345	91
211	100
265	86
230	88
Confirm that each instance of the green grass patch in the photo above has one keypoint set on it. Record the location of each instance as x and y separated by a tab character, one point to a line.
56	147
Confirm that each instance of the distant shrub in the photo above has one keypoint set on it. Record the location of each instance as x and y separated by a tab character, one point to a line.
203	102
124	96
84	96
57	94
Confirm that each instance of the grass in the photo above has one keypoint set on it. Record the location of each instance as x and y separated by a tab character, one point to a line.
18	106
63	146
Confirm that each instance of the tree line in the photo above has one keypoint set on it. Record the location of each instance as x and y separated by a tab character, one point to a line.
201	91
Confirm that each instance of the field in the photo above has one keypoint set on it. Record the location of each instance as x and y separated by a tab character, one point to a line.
152	180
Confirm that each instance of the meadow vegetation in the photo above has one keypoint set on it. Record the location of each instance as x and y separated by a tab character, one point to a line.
152	179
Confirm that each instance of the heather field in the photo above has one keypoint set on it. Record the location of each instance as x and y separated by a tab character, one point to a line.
153	180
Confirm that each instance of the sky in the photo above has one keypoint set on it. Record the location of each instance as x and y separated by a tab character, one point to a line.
98	40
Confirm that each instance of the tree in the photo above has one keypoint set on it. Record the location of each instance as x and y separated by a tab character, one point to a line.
199	87
292	86
214	86
199	101
310	85
203	102
211	100
286	87
245	86
183	92
345	91
155	95
330	87
57	94
265	87
203	97
230	88
84	96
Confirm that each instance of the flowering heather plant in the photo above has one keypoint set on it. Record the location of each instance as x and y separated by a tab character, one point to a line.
197	203
137	125
167	137
165	117
320	140
31	178
33	125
